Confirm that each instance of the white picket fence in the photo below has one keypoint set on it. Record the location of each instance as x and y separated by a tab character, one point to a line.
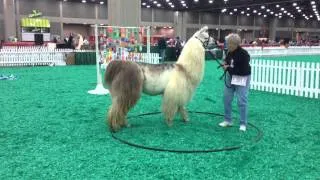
42	56
282	51
32	56
286	77
137	57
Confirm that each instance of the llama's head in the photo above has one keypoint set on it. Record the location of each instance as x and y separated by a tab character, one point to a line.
203	36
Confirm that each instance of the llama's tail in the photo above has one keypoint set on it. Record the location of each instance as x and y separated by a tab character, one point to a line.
125	82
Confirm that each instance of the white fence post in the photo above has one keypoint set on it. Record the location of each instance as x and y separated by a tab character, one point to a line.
317	87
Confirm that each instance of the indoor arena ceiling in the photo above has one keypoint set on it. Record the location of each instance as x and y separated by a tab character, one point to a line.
307	9
87	1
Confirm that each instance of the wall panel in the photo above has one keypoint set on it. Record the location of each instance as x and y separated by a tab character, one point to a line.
48	8
79	10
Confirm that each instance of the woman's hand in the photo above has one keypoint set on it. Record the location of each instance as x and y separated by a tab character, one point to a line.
225	66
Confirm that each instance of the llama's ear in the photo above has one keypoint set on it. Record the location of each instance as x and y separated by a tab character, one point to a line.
205	28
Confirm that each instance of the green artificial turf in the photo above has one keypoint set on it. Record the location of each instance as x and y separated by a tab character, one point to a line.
51	128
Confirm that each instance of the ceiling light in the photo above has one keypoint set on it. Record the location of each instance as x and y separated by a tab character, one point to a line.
262	7
248	8
230	13
248	14
84	1
259	13
210	2
242	12
159	5
101	2
235	10
277	5
254	11
282	9
312	2
143	4
299	10
148	6
294	4
264	15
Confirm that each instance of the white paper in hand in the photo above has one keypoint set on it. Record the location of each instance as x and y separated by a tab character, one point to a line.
239	80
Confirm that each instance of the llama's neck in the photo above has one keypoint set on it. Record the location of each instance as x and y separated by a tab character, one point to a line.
192	58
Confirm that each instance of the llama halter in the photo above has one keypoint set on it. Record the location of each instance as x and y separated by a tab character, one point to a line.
204	43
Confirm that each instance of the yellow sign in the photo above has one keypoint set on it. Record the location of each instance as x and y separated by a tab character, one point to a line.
35	22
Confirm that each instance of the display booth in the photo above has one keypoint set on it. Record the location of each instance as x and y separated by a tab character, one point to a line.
119	43
123	43
35	28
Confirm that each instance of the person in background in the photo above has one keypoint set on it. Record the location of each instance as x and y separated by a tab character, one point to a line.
55	40
162	45
178	47
1	43
70	43
237	81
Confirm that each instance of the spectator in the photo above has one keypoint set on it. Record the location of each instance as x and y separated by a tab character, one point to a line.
178	47
162	45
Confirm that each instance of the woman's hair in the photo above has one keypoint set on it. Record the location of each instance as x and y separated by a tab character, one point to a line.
234	39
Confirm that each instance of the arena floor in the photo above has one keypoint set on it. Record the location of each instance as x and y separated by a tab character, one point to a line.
51	128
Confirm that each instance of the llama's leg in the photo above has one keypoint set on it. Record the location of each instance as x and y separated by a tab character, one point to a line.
125	104
124	122
183	113
112	119
169	110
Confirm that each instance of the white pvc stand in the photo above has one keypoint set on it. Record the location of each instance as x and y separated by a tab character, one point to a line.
100	90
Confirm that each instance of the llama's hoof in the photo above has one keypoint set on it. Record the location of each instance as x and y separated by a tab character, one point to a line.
169	123
125	125
114	129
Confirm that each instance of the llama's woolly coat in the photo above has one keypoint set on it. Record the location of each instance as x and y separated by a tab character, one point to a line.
177	82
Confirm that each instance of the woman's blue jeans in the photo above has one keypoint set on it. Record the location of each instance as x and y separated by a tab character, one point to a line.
242	99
